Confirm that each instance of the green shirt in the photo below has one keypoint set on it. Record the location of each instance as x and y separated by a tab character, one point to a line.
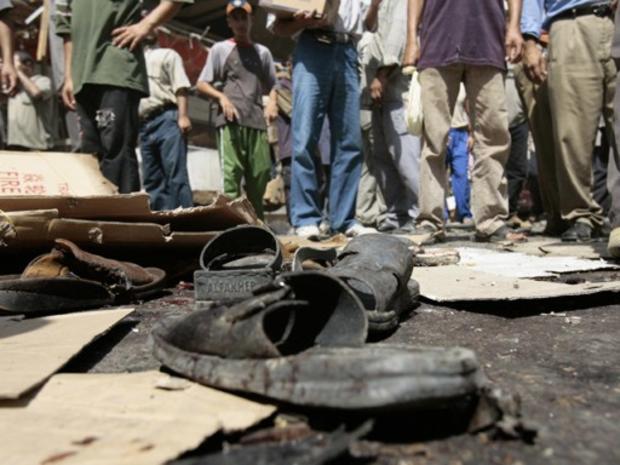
95	60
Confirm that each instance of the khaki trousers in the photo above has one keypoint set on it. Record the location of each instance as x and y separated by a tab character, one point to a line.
536	101
582	77
486	95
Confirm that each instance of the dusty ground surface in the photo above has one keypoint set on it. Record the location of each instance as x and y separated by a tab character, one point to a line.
565	366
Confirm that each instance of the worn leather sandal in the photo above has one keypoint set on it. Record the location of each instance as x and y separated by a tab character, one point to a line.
300	341
68	279
235	262
378	269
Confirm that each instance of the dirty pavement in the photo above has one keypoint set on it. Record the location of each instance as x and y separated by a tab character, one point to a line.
534	345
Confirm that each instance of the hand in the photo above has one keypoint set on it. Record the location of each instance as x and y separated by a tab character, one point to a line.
131	36
376	90
9	79
514	45
230	112
67	94
534	63
470	143
185	125
412	53
271	112
308	20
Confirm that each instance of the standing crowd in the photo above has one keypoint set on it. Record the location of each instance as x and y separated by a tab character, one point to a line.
491	73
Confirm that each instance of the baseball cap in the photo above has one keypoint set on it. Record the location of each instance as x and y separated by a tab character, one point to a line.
234	4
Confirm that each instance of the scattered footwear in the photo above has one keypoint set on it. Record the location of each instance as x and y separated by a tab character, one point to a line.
378	269
70	279
613	245
430	233
386	227
579	232
502	234
293	344
356	229
310	232
406	228
235	262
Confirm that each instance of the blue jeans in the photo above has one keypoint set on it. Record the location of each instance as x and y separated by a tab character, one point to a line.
164	162
457	158
325	82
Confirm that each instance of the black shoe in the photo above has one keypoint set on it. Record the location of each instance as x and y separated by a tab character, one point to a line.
579	232
386	227
406	228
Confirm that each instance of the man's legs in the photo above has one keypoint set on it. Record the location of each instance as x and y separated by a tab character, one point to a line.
257	166
370	205
458	156
173	149
346	137
440	87
153	177
486	94
536	100
516	167
613	177
313	67
231	159
118	125
579	55
402	152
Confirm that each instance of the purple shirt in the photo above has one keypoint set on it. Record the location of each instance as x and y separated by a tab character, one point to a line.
467	32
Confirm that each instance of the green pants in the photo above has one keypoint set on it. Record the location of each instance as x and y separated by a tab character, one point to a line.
244	155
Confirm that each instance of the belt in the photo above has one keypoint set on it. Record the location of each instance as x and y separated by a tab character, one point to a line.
155	112
330	37
602	10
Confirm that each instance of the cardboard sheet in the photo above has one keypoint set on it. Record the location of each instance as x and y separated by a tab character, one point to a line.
143	418
519	265
34	349
47	173
222	213
486	275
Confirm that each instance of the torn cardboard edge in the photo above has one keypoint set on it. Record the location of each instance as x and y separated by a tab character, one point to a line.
42	228
121	419
222	213
33	349
500	280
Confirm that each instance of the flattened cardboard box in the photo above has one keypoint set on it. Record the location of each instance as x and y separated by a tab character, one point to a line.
47	173
286	8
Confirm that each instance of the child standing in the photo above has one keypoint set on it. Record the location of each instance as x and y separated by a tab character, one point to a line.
246	72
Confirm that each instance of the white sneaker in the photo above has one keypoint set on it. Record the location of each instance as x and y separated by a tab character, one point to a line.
358	230
309	231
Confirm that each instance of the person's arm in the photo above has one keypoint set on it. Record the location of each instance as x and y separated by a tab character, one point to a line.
8	73
514	40
185	124
230	112
371	15
29	86
300	20
414	15
271	109
67	88
131	36
532	17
